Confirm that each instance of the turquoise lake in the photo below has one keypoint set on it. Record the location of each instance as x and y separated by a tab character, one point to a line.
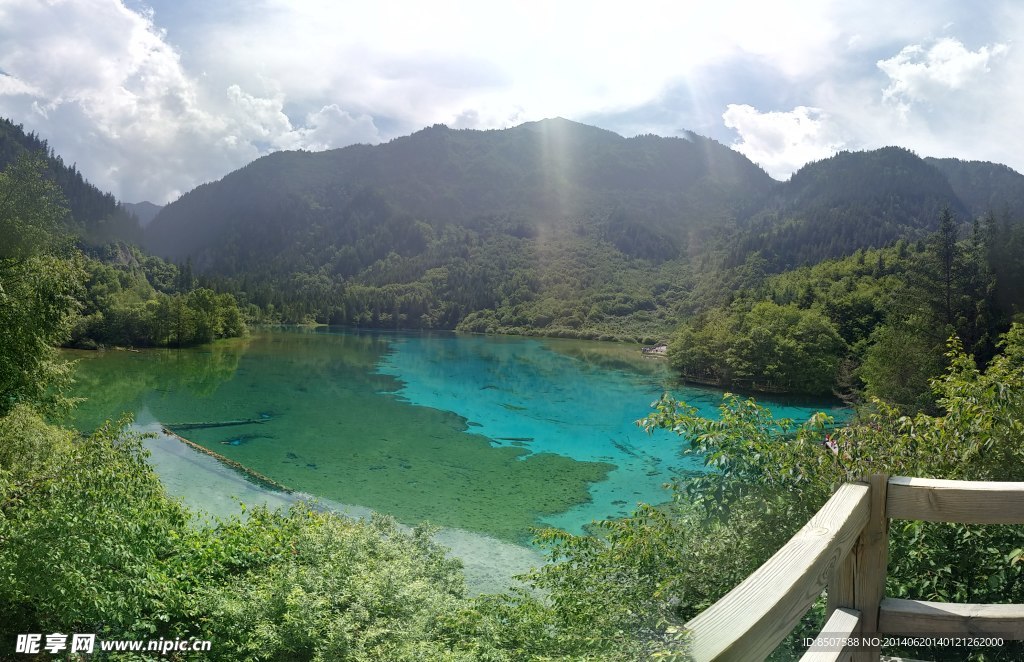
488	436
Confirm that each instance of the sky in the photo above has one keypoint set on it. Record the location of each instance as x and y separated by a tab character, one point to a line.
150	98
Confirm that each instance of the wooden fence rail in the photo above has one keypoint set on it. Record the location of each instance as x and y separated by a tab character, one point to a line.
844	548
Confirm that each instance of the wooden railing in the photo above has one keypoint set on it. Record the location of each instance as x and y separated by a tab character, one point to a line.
844	549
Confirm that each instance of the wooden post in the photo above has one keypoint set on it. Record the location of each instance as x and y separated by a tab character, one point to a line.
871	559
841	586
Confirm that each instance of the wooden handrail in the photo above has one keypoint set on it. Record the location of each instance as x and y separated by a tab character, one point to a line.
753	618
967	502
921	617
844	546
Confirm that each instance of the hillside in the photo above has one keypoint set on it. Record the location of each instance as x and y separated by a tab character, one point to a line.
551	227
852	200
95	216
983	186
642	194
552	224
121	297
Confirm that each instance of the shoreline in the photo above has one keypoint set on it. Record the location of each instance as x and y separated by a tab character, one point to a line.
238	466
213	486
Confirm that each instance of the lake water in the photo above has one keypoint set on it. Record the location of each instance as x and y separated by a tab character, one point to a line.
487	437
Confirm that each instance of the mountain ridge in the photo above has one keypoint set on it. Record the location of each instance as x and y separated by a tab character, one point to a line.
94	215
553	226
542	172
550	225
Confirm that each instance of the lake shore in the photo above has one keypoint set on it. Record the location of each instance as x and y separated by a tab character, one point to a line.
215	490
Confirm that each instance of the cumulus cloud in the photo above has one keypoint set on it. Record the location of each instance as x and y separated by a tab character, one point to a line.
331	126
262	121
151	102
781	142
940	98
11	86
919	74
934	96
103	84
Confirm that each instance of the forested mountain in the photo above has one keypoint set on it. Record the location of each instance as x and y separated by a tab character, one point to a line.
852	200
94	215
646	195
121	296
550	227
984	187
547	225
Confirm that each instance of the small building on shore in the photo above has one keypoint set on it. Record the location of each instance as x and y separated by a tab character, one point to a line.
656	350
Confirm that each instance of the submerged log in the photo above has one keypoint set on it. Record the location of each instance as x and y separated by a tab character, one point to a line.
255	475
215	424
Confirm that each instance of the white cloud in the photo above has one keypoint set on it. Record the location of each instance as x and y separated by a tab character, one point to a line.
420	63
152	102
781	142
262	120
331	126
11	86
102	83
934	96
258	117
940	98
919	74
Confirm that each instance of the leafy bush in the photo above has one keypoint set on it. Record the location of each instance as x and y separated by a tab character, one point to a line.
768	476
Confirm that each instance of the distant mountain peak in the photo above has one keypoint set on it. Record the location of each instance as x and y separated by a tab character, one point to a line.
145	211
566	125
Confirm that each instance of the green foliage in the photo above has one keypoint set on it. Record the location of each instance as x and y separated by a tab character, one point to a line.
94	216
36	304
893	308
768	476
84	534
949	288
765	347
134	303
853	296
1003	242
37	287
341	590
31	209
624	586
28	445
900	363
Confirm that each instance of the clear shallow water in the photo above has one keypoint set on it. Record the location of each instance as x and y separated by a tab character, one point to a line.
523	393
571	398
486	437
209	487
